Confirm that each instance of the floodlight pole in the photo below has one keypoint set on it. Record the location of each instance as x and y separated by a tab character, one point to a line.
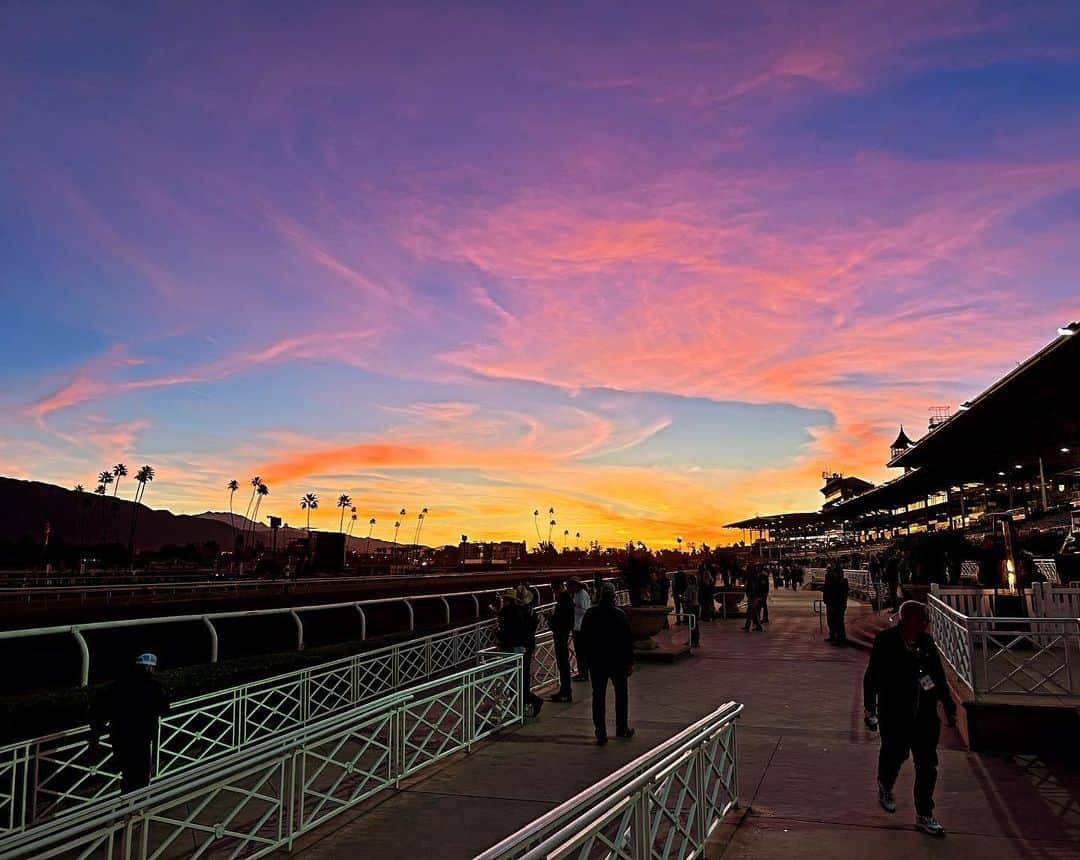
1042	486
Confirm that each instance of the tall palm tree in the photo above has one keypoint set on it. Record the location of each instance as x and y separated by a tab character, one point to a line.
309	503
78	489
371	528
419	526
577	541
119	471
352	525
551	525
255	481
397	525
262	491
343	502
536	523
144	476
100	490
565	538
232	487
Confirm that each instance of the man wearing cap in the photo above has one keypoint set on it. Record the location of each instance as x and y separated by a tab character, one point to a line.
130	707
610	648
517	634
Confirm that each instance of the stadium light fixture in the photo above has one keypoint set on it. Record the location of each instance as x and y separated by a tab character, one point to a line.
1018	466
1002	474
1064	450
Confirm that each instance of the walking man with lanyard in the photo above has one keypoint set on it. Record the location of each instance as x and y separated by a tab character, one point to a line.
903	685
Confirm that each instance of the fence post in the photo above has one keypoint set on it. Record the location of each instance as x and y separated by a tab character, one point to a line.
84	652
412	615
213	639
299	629
640	843
363	623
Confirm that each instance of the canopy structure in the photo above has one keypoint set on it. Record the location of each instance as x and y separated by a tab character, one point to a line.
1032	412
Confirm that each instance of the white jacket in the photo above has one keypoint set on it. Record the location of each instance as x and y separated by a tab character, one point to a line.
582	602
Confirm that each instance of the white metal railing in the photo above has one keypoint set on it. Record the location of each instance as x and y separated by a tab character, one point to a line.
58	773
1008	656
206	620
253	803
862	585
664	804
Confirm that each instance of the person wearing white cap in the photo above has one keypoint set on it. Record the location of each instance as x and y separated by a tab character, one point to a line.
129	710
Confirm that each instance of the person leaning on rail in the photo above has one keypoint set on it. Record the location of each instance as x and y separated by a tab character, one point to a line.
130	708
903	684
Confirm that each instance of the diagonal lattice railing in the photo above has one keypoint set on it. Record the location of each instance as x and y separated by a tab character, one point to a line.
60	773
1008	656
664	804
259	801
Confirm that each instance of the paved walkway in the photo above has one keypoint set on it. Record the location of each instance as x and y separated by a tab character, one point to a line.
806	766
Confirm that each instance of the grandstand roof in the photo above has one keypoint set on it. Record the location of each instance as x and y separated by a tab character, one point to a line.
1031	412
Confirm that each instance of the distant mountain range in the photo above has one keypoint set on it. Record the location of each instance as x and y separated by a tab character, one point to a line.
26	507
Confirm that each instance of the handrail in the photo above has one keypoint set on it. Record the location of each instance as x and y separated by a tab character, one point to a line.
295	781
219	723
576	815
206	619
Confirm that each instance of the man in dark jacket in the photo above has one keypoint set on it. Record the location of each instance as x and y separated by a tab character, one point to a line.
562	625
610	647
130	707
834	594
752	590
517	634
903	685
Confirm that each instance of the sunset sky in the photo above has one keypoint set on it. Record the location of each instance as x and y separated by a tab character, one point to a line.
655	268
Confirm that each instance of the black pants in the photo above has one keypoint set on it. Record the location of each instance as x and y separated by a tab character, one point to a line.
580	656
135	761
753	613
526	682
835	616
695	631
763	609
600	680
919	739
562	660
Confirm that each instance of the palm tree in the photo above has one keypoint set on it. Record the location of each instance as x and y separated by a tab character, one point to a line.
577	541
565	538
232	487
371	528
262	491
551	525
352	524
343	502
255	481
119	470
397	525
144	476
420	525
309	503
78	489
536	523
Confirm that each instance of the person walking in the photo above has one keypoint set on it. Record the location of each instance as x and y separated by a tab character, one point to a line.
902	687
752	590
129	710
678	588
706	586
582	602
692	607
610	646
561	624
834	594
517	634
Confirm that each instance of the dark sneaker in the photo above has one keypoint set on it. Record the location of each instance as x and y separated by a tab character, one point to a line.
559	697
625	733
886	799
929	825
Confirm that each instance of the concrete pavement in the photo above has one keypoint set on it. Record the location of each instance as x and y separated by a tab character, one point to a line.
806	766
